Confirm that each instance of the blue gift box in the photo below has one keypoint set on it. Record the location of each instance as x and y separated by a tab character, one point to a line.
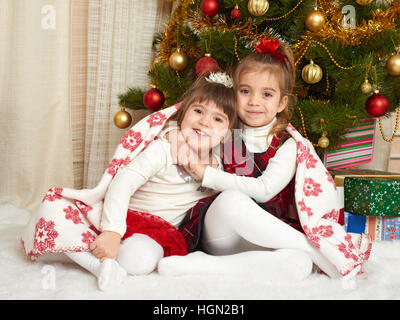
355	222
379	228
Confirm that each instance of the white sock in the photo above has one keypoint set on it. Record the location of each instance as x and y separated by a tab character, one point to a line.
109	273
278	265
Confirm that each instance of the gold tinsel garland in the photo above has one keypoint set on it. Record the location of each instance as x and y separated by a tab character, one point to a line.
169	41
382	21
199	23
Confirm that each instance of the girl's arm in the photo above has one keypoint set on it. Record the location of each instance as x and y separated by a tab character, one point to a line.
281	169
124	184
146	164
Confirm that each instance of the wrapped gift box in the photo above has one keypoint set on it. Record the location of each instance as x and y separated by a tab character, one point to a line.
369	192
379	228
357	148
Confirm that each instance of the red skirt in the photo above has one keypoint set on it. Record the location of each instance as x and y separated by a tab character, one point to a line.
158	229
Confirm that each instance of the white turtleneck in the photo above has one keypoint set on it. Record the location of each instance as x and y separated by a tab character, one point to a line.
280	170
255	138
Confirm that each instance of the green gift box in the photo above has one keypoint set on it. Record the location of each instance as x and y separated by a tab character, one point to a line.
370	192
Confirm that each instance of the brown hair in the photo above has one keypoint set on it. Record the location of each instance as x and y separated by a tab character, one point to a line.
203	90
287	77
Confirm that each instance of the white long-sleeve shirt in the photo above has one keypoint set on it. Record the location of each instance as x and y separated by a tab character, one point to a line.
151	183
280	170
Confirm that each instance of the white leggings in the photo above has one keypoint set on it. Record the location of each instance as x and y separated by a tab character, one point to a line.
137	255
242	238
235	223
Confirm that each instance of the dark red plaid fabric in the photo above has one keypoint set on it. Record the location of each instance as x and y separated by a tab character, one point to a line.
191	225
238	160
250	164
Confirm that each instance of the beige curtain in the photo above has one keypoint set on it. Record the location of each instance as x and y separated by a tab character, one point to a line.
78	85
120	35
63	64
35	135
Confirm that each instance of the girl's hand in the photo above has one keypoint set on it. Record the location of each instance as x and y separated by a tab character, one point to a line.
106	245
180	150
198	166
183	155
197	169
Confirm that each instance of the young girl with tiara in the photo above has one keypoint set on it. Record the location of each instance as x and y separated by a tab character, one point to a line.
268	167
147	199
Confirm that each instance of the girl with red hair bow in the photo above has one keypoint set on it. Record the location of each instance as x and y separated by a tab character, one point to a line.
275	191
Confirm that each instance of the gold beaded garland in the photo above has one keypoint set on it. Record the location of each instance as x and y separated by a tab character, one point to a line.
396	126
286	14
304	128
307	44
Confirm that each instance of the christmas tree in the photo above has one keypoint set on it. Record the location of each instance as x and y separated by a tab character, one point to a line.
347	56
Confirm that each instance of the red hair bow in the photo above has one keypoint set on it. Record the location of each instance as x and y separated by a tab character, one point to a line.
271	47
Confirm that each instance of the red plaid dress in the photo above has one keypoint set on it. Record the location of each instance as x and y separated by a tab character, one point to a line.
238	160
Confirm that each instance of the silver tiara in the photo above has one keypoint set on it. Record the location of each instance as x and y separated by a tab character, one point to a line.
220	77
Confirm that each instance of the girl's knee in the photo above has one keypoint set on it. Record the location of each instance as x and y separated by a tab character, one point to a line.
231	196
230	202
224	215
139	254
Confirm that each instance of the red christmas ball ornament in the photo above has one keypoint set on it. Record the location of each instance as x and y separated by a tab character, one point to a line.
377	105
235	13
153	99
206	64
210	7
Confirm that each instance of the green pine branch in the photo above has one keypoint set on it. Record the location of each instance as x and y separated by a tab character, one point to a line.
337	98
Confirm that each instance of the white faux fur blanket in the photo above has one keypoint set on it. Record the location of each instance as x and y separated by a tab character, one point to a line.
22	279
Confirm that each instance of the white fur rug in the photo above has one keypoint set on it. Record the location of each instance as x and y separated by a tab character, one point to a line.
22	279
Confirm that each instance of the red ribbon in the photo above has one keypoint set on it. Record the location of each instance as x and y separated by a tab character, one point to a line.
270	46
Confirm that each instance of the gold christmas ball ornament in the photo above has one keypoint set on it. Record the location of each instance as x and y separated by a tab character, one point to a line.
258	7
122	119
315	20
178	60
393	65
311	73
364	2
366	87
323	142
